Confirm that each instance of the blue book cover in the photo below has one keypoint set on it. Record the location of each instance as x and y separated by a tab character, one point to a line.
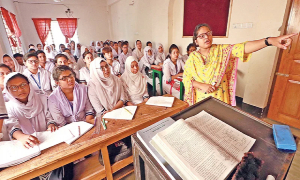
284	138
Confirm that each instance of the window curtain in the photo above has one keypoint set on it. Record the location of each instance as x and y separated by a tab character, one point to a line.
10	25
68	27
42	26
18	32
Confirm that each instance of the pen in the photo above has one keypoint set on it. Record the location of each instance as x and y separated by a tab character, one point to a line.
128	111
79	130
103	123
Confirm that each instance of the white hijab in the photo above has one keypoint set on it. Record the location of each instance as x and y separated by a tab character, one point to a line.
109	90
139	53
135	84
18	67
160	56
77	51
98	47
49	55
80	62
146	57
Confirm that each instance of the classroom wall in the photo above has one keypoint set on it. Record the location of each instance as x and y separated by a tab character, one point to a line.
161	21
92	14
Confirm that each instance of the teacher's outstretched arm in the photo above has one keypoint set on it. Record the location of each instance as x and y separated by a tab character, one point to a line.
281	42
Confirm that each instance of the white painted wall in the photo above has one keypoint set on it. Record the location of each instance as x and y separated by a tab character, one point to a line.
162	21
92	14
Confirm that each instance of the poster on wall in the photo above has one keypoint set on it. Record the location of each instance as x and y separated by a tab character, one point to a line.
215	13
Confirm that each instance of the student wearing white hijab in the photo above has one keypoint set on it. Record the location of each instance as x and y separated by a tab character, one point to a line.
80	62
13	63
93	51
172	69
28	113
69	102
105	90
48	65
3	115
160	56
49	53
84	73
148	61
37	76
134	82
73	48
53	49
77	53
72	64
138	52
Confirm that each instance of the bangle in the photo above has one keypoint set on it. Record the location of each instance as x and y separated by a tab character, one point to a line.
266	42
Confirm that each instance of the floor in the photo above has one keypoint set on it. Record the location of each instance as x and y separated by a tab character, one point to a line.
294	172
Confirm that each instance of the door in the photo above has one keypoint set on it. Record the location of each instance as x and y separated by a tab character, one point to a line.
285	100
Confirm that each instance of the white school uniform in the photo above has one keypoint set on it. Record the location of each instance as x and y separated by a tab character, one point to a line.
40	81
122	59
84	75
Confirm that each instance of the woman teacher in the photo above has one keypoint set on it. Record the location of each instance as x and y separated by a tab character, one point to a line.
212	70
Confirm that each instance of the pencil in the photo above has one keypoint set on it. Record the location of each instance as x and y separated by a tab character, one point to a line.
79	130
128	111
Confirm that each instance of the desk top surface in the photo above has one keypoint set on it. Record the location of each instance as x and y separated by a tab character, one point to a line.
116	130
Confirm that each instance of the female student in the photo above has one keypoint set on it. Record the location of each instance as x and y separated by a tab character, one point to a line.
138	51
116	50
77	53
160	56
13	64
172	69
38	77
28	113
69	102
123	56
211	71
48	65
48	52
105	92
114	64
148	61
84	73
80	62
134	82
190	48
72	43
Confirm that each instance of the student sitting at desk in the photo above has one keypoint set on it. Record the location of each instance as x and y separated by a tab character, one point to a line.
28	113
69	102
12	63
84	72
148	61
134	82
38	77
160	56
114	64
172	69
106	93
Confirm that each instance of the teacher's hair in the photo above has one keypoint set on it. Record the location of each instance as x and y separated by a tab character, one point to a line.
195	34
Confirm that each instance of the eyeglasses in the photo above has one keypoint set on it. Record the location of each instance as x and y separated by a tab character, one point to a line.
3	73
33	61
204	35
65	78
16	88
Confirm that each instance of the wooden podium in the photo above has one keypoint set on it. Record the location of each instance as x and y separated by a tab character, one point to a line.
276	163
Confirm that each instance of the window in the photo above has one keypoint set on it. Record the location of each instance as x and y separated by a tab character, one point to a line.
14	50
56	37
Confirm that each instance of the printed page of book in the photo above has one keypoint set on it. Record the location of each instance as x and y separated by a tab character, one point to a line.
191	154
77	129
228	138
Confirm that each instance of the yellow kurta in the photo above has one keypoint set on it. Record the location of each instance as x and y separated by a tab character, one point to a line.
219	68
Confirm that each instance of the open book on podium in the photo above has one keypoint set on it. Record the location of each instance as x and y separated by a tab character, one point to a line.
202	147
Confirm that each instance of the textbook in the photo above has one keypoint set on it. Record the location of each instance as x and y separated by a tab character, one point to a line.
14	153
77	129
202	147
125	113
145	135
160	101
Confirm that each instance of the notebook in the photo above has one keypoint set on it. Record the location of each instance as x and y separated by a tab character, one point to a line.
13	153
73	128
161	101
125	113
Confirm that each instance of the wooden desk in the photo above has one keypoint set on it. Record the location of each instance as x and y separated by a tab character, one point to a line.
276	163
62	154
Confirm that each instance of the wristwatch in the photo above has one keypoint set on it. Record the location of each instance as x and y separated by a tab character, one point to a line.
266	42
1	135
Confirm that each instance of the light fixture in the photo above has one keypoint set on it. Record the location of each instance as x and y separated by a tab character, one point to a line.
69	13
